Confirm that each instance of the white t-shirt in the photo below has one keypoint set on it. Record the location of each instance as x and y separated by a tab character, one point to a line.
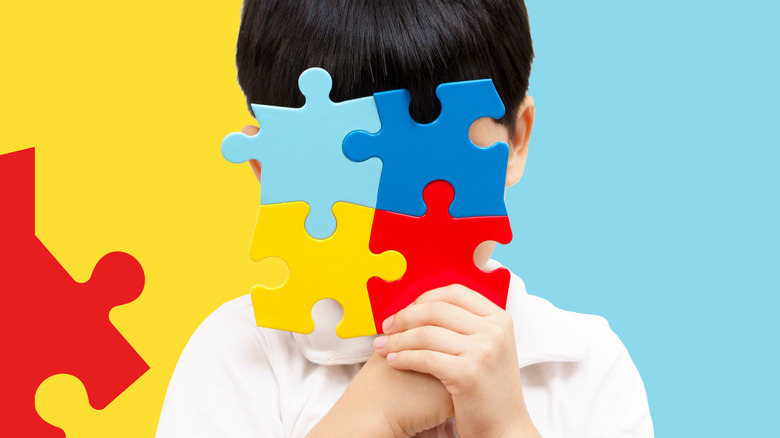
238	380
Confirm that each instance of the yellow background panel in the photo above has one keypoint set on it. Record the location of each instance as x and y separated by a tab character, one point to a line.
126	104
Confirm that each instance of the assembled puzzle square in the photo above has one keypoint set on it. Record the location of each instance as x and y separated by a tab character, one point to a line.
370	208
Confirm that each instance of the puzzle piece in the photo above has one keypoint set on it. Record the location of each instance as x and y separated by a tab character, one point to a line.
439	251
300	150
51	324
414	155
337	267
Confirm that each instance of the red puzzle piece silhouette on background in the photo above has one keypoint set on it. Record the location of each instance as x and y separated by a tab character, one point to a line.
51	324
439	251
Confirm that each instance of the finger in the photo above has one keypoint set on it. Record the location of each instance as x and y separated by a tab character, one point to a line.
422	338
462	297
435	313
250	130
440	365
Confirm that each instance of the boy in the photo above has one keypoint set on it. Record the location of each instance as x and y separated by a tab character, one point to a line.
452	363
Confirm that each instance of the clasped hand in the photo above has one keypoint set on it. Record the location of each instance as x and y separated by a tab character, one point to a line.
466	342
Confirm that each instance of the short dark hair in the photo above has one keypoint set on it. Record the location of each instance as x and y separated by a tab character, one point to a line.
377	45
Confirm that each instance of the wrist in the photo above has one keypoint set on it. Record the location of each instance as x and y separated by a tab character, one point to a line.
349	417
523	429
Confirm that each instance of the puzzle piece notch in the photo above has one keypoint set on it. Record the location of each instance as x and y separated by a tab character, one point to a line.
439	251
414	154
52	324
62	400
300	151
337	267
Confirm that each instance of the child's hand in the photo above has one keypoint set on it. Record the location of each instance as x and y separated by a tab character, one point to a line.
385	402
467	342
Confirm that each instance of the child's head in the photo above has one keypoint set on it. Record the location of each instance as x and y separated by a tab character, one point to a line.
369	46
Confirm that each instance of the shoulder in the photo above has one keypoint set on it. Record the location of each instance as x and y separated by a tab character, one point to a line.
577	363
546	333
231	327
228	348
239	380
225	382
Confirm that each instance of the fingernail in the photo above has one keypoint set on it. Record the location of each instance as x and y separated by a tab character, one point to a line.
388	323
391	357
380	342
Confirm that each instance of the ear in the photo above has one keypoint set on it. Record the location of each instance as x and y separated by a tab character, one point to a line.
253	130
519	139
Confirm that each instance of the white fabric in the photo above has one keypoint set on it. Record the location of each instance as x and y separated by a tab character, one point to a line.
237	380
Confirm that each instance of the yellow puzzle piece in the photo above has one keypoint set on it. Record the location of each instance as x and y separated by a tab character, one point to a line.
337	267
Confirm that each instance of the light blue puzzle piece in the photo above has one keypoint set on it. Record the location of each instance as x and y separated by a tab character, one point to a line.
301	155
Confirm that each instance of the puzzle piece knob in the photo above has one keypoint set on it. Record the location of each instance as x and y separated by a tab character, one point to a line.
438	195
237	147
107	274
315	84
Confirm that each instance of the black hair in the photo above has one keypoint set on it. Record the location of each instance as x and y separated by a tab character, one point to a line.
377	45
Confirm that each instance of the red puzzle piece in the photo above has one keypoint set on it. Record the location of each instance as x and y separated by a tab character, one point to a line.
51	324
439	251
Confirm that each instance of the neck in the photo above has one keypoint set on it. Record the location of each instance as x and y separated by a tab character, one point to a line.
483	252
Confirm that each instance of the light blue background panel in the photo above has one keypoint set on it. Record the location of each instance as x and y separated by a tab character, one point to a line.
652	196
414	154
300	152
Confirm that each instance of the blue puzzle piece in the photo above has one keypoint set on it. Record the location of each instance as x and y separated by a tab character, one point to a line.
300	152
414	155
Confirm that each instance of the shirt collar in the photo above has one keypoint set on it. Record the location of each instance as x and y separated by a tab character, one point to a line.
323	347
543	333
